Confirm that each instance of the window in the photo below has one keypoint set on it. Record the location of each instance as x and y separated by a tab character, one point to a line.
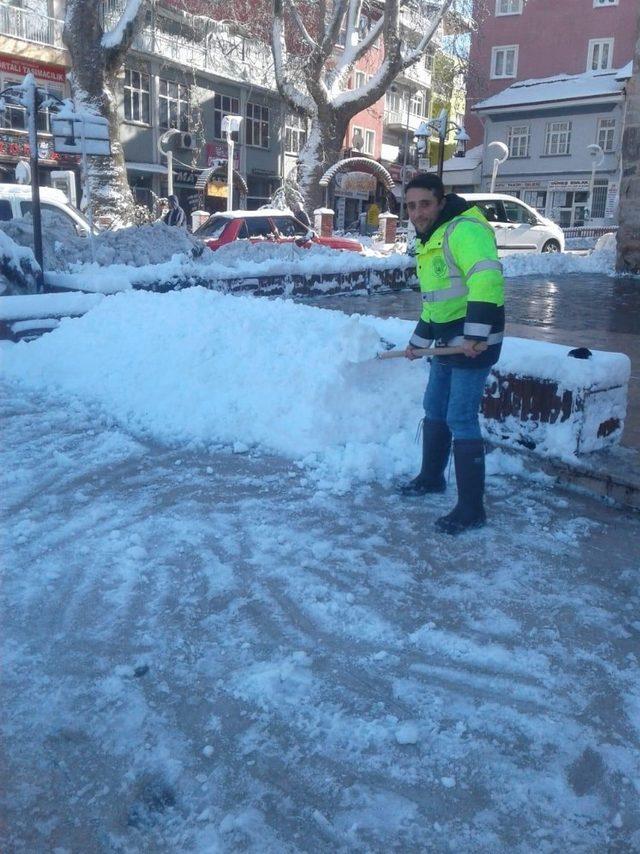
295	134
52	217
136	96
606	131
223	105
508	7
369	146
174	101
359	79
259	226
257	126
504	61
492	210
518	141
557	138
516	213
601	3
288	226
15	117
600	54
536	199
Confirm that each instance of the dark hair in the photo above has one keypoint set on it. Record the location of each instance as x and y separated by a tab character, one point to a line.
427	181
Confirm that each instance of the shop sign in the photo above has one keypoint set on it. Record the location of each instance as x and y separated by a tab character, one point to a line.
612	201
218	191
18	146
358	185
19	67
185	176
218	151
570	185
520	185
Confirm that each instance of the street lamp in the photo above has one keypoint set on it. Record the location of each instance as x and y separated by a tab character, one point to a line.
230	125
597	156
441	127
498	161
165	139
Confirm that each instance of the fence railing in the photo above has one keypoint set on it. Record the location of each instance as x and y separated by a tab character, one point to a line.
30	26
587	231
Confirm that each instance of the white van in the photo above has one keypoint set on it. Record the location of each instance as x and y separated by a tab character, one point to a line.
57	213
518	227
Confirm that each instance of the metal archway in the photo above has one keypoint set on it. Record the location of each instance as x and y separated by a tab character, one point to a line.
207	174
359	164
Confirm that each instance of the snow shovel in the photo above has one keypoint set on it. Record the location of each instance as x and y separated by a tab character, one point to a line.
480	346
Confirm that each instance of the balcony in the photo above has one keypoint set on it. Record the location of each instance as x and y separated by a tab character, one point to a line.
396	120
242	59
30	26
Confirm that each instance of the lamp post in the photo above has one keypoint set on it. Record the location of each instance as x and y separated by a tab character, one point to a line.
498	161
230	125
165	139
441	127
597	156
405	147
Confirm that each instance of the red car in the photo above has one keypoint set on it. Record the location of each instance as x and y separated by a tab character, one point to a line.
257	226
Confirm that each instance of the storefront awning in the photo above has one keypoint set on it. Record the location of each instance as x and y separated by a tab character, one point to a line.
157	168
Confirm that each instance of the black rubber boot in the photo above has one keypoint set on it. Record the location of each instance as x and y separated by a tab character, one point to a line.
469	511
436	445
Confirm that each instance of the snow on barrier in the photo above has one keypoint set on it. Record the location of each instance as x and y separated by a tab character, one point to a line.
543	398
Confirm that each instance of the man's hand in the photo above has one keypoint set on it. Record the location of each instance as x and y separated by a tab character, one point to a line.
473	348
411	353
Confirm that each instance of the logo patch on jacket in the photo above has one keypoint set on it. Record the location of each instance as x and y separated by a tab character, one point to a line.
439	267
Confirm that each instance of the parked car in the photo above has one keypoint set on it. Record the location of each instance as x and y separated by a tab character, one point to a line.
518	227
266	224
57	213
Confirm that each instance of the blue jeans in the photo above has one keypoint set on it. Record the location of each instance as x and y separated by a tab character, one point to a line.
454	395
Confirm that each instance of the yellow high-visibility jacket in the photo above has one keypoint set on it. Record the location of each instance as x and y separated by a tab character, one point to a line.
462	286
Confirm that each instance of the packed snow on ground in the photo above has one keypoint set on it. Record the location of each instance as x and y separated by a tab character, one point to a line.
205	649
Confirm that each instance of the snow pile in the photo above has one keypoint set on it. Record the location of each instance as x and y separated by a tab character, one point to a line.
137	246
203	368
560	263
18	267
238	260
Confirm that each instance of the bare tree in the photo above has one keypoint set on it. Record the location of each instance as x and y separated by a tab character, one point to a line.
313	81
97	55
628	260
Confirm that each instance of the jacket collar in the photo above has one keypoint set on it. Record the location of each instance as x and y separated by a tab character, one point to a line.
453	207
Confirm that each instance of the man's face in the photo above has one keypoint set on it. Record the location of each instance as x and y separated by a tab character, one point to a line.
423	208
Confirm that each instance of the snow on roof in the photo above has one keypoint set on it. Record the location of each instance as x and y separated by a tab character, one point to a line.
625	72
561	87
472	158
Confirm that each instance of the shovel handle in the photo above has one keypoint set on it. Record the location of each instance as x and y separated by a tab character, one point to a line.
430	351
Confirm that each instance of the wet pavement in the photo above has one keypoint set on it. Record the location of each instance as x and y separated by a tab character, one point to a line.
595	311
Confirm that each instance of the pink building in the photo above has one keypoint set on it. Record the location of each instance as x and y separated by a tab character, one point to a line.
519	40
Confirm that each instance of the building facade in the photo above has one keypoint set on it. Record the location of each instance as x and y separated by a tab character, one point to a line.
522	39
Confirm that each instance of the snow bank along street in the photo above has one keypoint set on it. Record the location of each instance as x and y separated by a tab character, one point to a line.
211	648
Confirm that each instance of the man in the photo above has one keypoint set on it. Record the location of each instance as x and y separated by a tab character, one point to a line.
462	304
301	215
175	215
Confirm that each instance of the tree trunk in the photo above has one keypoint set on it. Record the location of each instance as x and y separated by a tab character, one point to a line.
322	150
93	84
628	242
